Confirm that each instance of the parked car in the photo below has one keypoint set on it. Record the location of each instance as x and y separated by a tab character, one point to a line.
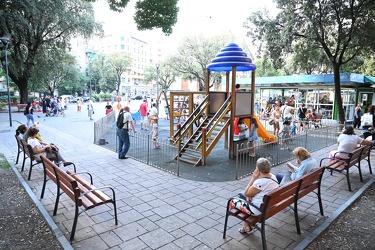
138	97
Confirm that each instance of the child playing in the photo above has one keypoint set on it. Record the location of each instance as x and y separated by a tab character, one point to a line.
293	129
285	135
242	128
155	133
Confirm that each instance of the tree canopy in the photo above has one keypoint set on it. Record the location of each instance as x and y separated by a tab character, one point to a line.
194	54
342	30
150	14
35	26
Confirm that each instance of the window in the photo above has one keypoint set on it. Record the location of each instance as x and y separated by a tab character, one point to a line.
122	38
122	46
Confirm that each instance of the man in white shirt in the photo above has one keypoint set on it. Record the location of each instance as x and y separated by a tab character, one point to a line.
123	134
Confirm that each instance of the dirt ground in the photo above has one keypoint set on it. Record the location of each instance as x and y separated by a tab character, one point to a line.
353	229
21	224
23	227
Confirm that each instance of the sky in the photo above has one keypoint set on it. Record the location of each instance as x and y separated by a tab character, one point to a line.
195	17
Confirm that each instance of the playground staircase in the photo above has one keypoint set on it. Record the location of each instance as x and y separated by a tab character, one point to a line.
194	151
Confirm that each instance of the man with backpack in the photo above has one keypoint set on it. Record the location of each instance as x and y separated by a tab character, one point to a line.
124	123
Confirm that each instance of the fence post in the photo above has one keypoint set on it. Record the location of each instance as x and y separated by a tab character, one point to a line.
148	148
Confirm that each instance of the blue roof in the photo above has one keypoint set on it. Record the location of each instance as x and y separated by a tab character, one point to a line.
229	56
314	79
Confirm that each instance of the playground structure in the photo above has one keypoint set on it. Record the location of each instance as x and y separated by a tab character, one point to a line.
198	128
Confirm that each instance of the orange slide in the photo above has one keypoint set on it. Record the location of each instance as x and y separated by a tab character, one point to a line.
262	131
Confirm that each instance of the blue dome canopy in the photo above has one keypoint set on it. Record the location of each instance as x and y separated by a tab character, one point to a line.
229	56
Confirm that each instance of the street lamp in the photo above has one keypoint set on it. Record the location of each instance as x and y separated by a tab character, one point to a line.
157	86
90	55
5	42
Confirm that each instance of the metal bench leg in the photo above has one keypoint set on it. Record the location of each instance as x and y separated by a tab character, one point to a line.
347	178
31	169
369	164
76	214
226	220
360	171
263	233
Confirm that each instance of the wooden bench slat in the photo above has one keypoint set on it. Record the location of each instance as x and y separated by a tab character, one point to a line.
102	196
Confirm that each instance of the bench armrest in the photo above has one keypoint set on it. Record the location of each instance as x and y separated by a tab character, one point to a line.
101	188
91	180
327	158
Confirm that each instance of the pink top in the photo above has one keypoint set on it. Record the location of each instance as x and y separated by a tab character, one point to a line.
143	109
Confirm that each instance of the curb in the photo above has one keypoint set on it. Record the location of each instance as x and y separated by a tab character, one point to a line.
313	235
59	235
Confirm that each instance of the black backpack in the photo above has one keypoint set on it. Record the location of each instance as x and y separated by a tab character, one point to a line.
120	120
26	111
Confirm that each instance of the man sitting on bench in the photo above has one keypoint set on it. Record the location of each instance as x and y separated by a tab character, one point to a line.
260	184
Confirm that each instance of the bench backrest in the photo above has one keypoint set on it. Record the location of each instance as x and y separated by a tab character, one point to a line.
28	150
280	198
62	179
48	168
311	181
354	157
366	151
19	143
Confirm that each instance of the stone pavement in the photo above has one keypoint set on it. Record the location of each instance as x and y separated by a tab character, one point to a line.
157	210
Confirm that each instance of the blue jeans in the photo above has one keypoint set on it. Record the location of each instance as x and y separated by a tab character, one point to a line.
30	117
279	177
123	142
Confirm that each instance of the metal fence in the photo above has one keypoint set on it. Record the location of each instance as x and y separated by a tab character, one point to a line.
166	157
312	140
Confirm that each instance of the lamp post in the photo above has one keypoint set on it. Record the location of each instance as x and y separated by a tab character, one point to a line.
89	56
157	86
5	42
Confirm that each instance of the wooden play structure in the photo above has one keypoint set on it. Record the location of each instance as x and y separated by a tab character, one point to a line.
200	127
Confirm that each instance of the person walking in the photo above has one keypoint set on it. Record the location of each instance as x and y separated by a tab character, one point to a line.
143	111
357	115
79	104
123	133
90	109
29	114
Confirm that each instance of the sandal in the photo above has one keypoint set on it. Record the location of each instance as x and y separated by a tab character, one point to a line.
244	230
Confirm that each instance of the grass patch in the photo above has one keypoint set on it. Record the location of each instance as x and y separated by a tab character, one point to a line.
3	162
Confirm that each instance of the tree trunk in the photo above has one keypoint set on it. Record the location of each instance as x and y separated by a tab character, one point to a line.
338	98
24	92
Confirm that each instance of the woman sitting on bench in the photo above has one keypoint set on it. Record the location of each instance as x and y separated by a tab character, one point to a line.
348	142
260	184
41	148
306	165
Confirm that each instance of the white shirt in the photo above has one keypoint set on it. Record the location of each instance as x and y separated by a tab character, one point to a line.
35	142
265	185
348	143
127	118
153	111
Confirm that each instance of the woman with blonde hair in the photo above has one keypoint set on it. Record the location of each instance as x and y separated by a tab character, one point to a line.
305	162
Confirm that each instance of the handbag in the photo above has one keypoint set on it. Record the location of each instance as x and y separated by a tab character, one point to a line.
272	122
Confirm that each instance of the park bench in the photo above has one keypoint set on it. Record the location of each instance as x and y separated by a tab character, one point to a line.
21	107
353	160
279	199
29	154
78	189
19	148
